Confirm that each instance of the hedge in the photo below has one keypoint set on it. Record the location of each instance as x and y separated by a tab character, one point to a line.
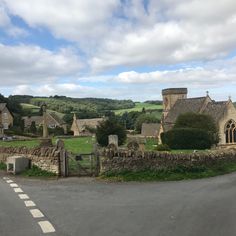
187	138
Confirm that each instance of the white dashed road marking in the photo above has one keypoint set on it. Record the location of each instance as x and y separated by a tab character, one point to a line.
14	185
18	190
36	213
23	196
29	203
46	227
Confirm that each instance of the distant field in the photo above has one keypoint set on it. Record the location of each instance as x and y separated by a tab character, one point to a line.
34	109
138	107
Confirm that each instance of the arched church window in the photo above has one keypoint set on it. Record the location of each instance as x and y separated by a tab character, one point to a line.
230	132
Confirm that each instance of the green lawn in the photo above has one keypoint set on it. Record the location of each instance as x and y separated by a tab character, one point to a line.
138	107
75	145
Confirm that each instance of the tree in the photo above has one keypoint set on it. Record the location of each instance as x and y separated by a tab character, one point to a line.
108	127
33	128
145	118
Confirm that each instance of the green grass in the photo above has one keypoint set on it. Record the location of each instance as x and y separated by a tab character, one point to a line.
138	107
32	109
150	144
180	173
37	172
74	145
3	166
19	143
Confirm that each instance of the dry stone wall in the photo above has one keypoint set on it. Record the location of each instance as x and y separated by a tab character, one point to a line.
127	160
46	158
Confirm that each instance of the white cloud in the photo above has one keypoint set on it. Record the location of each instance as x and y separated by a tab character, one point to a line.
212	75
31	64
70	19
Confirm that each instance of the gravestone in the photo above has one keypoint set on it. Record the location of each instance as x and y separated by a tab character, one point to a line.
113	139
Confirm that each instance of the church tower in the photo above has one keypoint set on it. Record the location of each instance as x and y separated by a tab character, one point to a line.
170	96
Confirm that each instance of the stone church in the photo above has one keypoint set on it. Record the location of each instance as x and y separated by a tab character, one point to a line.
175	102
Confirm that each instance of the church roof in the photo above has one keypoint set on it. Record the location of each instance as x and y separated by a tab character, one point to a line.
215	109
183	106
196	105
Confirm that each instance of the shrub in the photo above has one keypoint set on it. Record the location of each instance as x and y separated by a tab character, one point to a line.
163	147
187	138
108	127
200	122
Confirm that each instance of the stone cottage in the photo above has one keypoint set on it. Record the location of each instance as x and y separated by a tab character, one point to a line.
53	121
175	102
150	129
81	127
6	118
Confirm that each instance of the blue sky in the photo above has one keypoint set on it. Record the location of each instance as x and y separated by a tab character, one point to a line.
124	49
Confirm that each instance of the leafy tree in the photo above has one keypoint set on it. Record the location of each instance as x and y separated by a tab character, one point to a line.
108	127
145	118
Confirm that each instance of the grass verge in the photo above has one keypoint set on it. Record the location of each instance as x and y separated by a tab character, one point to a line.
180	173
37	172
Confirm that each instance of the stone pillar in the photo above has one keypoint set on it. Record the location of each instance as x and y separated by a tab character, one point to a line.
45	127
45	141
113	139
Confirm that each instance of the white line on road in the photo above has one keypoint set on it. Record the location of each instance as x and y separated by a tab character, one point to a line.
9	181
23	196
18	190
5	178
29	204
46	227
36	213
14	185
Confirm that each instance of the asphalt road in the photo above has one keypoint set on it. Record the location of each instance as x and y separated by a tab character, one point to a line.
87	207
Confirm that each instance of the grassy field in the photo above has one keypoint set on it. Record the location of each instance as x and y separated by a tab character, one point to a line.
75	145
138	107
29	108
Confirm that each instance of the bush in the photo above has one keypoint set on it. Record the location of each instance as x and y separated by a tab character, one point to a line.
187	138
108	127
3	166
163	147
200	122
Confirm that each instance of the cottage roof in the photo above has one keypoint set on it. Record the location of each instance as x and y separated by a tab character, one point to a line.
2	106
52	119
150	129
82	123
57	118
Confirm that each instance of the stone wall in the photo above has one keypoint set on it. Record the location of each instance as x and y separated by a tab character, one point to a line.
45	158
128	160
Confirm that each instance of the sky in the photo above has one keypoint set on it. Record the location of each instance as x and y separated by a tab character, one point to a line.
120	49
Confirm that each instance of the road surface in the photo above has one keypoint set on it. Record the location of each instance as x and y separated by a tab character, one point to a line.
88	207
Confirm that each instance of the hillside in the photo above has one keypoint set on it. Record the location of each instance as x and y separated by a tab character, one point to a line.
89	107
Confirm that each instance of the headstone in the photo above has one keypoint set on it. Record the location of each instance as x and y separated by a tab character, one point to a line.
113	139
60	143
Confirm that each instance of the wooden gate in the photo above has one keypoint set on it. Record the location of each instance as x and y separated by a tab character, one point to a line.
83	164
